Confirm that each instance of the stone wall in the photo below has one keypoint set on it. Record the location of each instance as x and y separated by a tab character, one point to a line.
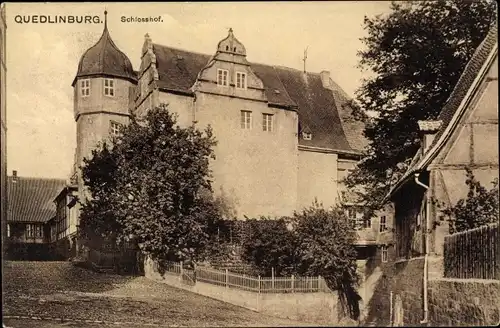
321	308
464	302
405	280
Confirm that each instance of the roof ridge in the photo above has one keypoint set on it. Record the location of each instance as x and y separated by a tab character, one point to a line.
36	178
251	62
180	49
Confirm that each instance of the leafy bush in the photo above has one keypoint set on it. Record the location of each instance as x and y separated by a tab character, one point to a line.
479	208
267	244
313	242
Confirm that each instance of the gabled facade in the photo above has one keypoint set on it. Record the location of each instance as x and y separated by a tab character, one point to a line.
465	134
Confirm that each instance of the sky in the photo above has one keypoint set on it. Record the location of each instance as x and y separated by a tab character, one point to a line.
42	59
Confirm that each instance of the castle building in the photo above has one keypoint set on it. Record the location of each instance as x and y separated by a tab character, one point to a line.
285	137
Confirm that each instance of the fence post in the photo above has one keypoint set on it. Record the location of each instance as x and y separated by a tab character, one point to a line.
259	284
292	283
181	271
467	248
227	278
390	309
272	278
319	283
496	241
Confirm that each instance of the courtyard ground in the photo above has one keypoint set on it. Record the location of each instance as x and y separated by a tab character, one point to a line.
58	294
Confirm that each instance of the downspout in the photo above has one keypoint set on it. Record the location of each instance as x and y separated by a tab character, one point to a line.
425	320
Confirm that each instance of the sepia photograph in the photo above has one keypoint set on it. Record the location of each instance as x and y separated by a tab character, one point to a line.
250	164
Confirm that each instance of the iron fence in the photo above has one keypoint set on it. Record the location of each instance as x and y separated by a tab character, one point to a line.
292	284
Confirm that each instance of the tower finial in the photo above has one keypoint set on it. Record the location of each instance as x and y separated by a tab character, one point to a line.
230	30
305	58
105	18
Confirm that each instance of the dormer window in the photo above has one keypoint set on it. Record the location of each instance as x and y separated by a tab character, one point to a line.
85	87
241	80
234	49
222	77
307	135
227	48
109	87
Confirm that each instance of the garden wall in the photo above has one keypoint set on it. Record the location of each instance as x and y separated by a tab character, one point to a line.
405	280
464	302
317	307
452	302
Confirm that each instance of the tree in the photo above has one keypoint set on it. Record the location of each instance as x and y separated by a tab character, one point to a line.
326	239
154	184
416	53
479	208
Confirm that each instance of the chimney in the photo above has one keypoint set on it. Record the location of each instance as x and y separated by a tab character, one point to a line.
14	176
325	78
428	131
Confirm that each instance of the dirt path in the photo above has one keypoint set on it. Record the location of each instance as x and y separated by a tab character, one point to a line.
56	291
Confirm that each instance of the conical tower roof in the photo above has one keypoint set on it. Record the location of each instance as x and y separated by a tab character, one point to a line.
105	59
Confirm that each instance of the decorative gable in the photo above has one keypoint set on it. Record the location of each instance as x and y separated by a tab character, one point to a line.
229	73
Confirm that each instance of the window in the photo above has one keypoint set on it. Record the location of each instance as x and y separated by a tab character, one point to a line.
368	223
246	119
307	135
241	80
383	222
109	87
222	77
85	87
356	218
384	254
38	231
267	122
351	213
29	230
34	231
114	128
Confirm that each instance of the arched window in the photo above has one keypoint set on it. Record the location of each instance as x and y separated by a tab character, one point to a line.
227	48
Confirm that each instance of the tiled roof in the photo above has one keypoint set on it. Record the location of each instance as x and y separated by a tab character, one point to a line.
466	79
32	199
318	110
104	58
353	128
450	109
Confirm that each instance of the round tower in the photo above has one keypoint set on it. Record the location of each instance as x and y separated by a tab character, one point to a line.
103	87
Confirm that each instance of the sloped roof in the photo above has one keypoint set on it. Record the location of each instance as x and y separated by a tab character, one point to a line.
104	58
317	108
452	106
32	199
